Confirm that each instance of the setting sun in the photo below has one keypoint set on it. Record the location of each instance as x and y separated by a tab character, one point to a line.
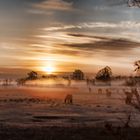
49	69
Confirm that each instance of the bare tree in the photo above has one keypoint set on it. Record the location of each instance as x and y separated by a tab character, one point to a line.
133	98
137	66
133	3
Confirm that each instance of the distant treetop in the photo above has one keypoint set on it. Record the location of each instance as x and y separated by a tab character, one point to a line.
133	3
104	74
137	67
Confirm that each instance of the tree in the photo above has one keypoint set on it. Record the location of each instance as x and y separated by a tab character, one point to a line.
32	75
133	3
21	82
137	65
104	74
78	75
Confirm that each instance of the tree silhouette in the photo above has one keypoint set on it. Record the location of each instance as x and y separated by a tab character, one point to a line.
137	65
21	82
78	75
104	74
133	3
32	75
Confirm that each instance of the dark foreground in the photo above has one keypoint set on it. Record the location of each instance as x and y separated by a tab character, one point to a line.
67	133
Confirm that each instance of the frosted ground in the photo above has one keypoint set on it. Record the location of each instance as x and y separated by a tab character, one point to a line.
41	103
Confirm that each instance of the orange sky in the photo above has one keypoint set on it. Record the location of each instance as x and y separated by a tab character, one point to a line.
60	36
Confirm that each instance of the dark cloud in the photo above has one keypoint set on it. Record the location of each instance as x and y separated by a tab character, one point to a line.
99	2
116	2
105	43
89	36
66	52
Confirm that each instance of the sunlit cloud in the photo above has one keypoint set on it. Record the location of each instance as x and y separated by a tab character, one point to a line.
122	24
58	5
68	34
62	28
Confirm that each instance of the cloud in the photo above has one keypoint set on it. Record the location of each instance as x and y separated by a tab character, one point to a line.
116	2
83	25
122	25
62	28
105	44
88	36
53	5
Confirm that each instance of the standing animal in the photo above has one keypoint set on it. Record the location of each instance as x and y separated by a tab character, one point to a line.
136	94
100	91
129	96
68	99
89	89
108	93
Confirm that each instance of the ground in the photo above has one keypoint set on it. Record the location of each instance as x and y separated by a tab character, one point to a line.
40	113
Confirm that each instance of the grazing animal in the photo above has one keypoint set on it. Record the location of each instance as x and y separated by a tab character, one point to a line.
68	99
69	82
100	91
89	89
108	93
136	94
129	96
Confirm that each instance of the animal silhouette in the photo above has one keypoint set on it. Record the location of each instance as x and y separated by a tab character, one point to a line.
108	93
68	99
100	91
129	96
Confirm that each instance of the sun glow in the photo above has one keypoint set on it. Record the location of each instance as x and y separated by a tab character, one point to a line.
49	69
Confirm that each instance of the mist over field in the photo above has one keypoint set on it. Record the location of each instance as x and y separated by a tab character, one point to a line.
69	70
